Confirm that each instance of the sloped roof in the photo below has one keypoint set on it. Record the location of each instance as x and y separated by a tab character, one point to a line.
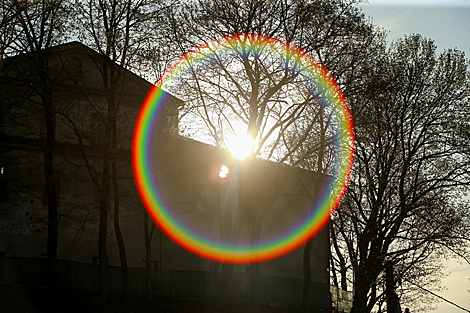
73	49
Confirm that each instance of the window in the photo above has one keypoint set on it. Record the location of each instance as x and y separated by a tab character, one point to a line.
3	182
96	260
153	264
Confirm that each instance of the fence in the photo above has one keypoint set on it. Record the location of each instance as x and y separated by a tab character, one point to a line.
341	300
177	284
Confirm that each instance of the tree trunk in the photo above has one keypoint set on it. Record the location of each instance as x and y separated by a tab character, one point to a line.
122	248
368	273
333	271
222	286
105	194
148	254
117	227
102	237
53	222
307	268
359	301
392	301
229	212
254	266
342	262
148	269
344	283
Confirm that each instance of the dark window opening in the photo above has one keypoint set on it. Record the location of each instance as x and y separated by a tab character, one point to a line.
3	182
96	260
153	264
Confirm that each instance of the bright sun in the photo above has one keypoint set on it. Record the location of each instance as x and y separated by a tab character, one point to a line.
240	145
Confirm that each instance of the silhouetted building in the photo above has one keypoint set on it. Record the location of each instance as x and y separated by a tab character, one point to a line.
188	170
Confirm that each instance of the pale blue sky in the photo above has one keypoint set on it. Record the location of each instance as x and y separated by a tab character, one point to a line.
448	23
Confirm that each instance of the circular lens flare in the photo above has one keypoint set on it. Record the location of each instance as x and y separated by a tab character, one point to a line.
145	144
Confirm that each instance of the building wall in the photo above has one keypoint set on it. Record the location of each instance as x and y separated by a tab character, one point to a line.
187	172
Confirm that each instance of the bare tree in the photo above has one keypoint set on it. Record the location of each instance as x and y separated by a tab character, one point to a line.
251	91
122	32
9	27
35	27
412	161
148	252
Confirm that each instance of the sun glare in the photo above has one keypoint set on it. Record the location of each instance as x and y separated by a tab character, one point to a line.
240	145
223	173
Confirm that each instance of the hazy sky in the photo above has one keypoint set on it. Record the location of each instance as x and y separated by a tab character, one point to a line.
448	23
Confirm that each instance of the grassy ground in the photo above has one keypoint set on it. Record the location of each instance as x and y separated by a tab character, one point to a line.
27	299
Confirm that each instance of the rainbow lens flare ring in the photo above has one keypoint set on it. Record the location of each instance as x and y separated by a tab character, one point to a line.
142	156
